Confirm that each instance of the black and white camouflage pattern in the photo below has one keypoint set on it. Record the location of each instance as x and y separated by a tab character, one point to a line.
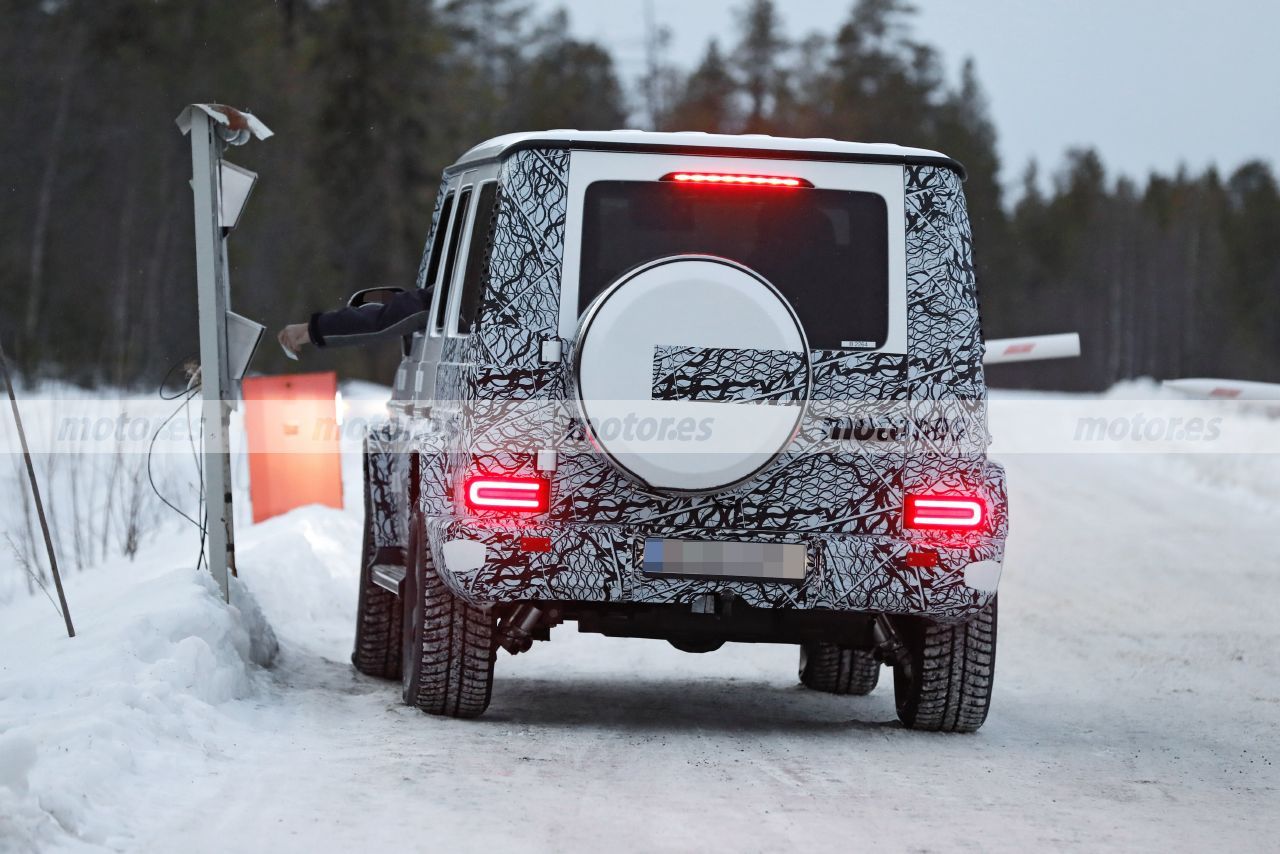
521	305
602	563
726	374
387	482
876	426
946	385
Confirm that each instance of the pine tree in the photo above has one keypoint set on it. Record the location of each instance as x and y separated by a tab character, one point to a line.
707	103
567	84
758	61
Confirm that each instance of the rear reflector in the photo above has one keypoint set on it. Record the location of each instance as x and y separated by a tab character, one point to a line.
710	178
535	544
507	494
922	560
945	512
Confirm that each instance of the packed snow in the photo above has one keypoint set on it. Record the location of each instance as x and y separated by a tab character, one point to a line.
1137	703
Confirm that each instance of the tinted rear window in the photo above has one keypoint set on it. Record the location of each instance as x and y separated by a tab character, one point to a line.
477	257
827	251
446	275
437	242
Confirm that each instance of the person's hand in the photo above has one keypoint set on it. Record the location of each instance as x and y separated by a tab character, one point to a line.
294	336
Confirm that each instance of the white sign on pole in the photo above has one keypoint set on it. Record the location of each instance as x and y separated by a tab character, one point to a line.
237	183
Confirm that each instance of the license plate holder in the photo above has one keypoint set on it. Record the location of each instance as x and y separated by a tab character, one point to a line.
725	559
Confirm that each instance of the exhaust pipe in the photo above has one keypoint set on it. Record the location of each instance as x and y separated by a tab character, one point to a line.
889	646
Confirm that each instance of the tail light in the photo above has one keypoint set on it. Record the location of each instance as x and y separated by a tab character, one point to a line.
945	512
507	494
722	180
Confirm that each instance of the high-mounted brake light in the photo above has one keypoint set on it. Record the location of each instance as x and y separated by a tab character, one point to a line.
945	512
717	179
507	494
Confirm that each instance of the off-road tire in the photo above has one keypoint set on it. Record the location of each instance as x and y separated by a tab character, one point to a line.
952	673
448	643
378	614
834	670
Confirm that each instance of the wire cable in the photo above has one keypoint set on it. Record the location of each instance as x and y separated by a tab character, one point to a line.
186	399
193	386
194	382
169	373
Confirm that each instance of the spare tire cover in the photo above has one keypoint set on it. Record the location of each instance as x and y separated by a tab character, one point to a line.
692	373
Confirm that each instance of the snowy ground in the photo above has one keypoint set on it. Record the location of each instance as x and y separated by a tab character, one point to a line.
1137	705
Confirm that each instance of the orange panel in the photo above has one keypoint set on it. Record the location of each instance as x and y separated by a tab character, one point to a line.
294	445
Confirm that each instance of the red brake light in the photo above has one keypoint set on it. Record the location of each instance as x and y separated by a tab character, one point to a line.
711	178
507	494
945	512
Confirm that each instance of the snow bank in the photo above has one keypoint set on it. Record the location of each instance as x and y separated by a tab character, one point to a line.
143	697
141	689
1249	472
1236	456
304	570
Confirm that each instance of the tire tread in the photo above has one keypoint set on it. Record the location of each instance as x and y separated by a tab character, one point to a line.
955	672
453	670
379	613
836	670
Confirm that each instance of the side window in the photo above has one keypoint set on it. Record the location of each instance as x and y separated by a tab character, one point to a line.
445	281
437	241
477	259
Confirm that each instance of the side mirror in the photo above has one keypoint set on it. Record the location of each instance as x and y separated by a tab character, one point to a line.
372	295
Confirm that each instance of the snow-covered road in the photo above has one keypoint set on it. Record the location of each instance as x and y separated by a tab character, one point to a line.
1137	707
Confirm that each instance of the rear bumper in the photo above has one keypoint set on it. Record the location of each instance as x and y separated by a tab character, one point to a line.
486	562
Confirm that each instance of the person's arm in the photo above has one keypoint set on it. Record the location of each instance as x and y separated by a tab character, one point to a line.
403	314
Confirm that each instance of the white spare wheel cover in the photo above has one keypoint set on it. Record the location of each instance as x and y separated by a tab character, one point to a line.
692	373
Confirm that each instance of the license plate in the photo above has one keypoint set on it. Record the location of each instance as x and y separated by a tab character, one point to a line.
719	559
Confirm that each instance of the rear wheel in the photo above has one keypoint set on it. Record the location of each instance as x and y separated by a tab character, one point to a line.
378	614
835	670
448	643
952	670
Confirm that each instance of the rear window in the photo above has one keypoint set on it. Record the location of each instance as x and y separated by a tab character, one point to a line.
446	275
827	251
437	242
477	257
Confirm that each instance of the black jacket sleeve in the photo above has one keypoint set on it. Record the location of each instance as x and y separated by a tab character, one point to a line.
403	314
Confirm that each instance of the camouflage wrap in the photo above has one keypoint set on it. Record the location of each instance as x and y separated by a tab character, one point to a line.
877	425
602	563
387	480
719	374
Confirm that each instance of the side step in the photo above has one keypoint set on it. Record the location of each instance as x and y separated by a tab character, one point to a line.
388	576
388	570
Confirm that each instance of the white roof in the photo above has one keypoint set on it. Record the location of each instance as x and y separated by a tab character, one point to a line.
696	139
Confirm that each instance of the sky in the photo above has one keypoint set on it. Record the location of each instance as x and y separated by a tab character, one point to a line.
1150	83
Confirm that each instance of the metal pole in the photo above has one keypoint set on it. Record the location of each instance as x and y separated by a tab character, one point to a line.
232	395
214	383
35	492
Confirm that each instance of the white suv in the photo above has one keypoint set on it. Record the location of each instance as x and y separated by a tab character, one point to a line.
694	388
